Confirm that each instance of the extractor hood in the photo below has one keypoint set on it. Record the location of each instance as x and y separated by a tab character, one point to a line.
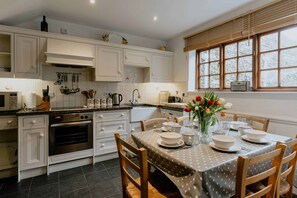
71	53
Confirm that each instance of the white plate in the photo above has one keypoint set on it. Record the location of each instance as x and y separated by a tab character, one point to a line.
232	149
179	144
261	141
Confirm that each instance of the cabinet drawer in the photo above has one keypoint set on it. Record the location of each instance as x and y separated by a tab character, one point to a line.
114	115
106	145
8	123
35	121
108	128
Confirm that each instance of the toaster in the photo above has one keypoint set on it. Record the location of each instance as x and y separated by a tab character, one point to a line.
240	86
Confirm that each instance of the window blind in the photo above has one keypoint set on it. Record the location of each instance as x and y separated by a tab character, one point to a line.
277	15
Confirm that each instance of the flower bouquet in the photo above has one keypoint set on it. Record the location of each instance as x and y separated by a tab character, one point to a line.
204	109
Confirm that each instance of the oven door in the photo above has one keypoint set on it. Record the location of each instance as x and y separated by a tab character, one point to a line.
70	137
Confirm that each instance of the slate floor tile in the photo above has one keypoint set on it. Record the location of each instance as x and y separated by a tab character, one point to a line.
44	180
104	189
23	194
114	172
88	169
70	173
11	186
81	193
100	176
111	163
48	190
72	184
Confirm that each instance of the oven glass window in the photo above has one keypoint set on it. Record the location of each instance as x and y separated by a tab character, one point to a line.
2	98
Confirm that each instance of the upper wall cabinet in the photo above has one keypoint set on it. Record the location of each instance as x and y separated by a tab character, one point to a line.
27	56
109	64
6	55
70	53
161	69
137	58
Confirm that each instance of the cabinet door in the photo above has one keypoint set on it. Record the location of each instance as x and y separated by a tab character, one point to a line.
161	69
137	58
26	56
109	64
33	148
6	55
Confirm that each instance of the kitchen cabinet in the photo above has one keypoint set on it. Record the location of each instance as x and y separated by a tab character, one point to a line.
109	64
33	137
106	124
137	58
27	56
161	68
6	55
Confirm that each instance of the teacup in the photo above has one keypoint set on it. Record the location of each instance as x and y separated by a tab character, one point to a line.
188	138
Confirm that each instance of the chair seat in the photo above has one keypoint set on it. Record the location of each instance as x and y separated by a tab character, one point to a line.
284	187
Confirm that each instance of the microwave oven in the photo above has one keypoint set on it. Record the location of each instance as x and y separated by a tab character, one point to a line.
10	100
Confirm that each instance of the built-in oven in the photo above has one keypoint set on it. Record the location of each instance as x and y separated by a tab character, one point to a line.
70	132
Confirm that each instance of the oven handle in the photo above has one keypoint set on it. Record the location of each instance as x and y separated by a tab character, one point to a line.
71	124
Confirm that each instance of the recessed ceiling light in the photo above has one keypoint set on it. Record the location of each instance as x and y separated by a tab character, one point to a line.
155	18
92	1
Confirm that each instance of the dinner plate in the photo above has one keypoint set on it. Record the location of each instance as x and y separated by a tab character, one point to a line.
161	143
261	141
232	149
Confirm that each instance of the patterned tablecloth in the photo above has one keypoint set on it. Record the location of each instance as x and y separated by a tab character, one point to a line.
200	171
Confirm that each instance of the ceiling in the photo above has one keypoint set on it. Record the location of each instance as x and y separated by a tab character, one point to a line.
127	16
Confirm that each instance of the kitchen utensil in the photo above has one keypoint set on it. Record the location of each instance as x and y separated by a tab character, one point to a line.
116	99
77	81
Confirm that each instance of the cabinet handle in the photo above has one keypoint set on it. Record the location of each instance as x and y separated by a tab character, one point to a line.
41	135
102	145
102	129
9	122
101	116
147	59
120	127
122	114
33	121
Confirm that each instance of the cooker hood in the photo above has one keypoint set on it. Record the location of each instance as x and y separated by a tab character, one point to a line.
70	53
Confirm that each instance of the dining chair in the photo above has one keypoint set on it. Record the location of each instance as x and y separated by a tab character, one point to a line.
245	182
255	122
226	117
152	123
286	180
181	120
141	187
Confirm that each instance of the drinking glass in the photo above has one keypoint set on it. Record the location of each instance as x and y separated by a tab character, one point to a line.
225	127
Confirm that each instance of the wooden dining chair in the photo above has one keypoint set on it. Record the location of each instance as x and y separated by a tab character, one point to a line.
255	122
181	120
286	180
152	123
141	187
244	182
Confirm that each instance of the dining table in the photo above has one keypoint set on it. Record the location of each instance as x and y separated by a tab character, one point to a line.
199	170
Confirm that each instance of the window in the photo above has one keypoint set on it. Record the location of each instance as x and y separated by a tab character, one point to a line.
238	62
278	59
209	69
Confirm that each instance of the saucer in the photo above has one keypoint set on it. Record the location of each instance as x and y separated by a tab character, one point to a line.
232	149
261	141
178	144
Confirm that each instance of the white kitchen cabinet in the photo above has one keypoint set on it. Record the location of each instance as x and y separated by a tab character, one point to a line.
137	58
6	55
161	68
109	64
106	124
27	56
33	137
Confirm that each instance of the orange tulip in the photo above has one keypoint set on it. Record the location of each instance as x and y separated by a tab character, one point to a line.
207	110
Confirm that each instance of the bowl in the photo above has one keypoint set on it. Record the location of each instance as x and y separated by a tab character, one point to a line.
255	134
170	137
223	141
177	128
242	128
235	124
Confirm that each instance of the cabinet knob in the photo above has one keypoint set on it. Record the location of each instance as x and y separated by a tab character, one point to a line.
102	145
101	116
147	59
41	135
33	121
120	127
132	130
102	129
9	121
122	114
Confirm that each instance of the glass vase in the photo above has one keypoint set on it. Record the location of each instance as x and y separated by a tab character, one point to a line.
205	135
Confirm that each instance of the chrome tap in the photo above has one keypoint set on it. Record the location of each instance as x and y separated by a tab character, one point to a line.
133	101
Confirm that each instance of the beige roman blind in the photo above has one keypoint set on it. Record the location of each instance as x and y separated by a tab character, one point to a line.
277	15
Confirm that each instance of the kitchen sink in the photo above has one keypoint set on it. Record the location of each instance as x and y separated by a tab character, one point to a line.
142	112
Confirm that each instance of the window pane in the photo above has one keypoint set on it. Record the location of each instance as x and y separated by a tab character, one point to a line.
231	65
288	77
204	69
245	47
228	79
214	68
245	63
269	42
288	37
204	56
269	78
246	77
231	50
215	54
215	81
204	82
269	60
288	57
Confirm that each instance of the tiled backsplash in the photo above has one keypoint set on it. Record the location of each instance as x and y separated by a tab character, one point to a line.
133	80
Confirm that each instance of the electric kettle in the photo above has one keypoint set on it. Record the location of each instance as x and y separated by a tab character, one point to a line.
116	99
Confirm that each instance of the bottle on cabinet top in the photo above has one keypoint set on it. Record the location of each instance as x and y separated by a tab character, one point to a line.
44	25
